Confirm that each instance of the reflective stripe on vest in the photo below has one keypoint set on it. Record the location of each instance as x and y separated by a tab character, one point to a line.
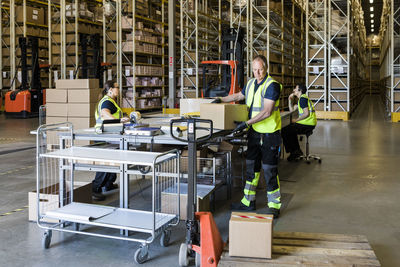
273	122
117	114
312	118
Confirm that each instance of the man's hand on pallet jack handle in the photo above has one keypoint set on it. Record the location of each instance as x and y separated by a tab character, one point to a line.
240	126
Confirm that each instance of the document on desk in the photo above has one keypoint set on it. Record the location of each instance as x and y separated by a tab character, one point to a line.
79	212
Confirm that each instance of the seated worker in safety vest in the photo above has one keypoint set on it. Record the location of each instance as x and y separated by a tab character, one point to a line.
304	123
107	109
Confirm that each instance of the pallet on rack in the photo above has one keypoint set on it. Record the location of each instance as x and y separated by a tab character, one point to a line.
333	115
310	249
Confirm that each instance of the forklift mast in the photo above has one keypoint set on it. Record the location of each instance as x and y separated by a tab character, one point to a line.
90	46
232	49
231	64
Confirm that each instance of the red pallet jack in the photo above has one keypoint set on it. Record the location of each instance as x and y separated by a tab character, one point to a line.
203	240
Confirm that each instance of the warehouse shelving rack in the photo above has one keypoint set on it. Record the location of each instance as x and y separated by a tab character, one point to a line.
276	31
385	61
66	22
200	39
335	76
394	57
14	25
142	56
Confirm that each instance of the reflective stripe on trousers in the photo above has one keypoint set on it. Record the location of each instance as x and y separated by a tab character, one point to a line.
250	189
273	186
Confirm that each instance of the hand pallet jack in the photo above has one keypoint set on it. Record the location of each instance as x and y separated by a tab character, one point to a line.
203	240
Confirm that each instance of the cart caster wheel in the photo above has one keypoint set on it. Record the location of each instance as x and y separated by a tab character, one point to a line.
76	226
165	237
319	161
46	239
141	255
197	260
183	255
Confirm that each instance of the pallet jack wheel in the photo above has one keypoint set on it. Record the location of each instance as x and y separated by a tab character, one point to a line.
141	255
165	237
46	240
183	255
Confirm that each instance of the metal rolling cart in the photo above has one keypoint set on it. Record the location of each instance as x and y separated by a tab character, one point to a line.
56	160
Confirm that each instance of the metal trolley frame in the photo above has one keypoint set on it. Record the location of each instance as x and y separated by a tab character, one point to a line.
56	161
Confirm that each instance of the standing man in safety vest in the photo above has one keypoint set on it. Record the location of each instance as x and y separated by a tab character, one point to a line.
262	98
306	121
107	109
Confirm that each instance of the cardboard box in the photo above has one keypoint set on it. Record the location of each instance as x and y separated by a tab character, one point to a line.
82	123
56	96
318	82
250	235
312	52
48	198
224	115
78	84
169	205
192	104
81	109
57	109
335	83
33	14
84	96
183	164
55	120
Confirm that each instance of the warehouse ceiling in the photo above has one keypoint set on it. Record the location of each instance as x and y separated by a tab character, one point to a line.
377	6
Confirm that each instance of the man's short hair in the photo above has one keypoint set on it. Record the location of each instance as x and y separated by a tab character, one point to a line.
302	88
262	59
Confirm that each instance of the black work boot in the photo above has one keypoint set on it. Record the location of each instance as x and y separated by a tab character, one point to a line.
274	212
98	196
239	206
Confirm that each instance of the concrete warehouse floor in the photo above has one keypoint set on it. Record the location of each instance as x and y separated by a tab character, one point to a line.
354	191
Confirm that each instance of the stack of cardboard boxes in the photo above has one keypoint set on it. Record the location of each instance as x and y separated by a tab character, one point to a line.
74	101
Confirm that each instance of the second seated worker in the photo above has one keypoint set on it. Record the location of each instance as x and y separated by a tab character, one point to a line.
305	122
107	109
263	139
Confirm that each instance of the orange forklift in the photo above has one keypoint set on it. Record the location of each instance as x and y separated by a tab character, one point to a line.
225	77
26	100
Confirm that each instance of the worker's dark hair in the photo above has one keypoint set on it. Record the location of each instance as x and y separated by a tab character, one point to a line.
302	88
107	86
263	59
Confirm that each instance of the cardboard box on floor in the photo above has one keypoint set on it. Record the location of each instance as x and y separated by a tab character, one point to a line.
250	235
168	204
224	115
57	109
56	96
49	198
81	109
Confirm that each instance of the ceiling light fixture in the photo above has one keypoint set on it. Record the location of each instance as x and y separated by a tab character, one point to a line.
372	21
371	8
372	30
372	15
371	1
372	25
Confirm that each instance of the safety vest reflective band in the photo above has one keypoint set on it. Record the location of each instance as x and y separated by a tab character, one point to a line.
312	118
273	122
117	114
